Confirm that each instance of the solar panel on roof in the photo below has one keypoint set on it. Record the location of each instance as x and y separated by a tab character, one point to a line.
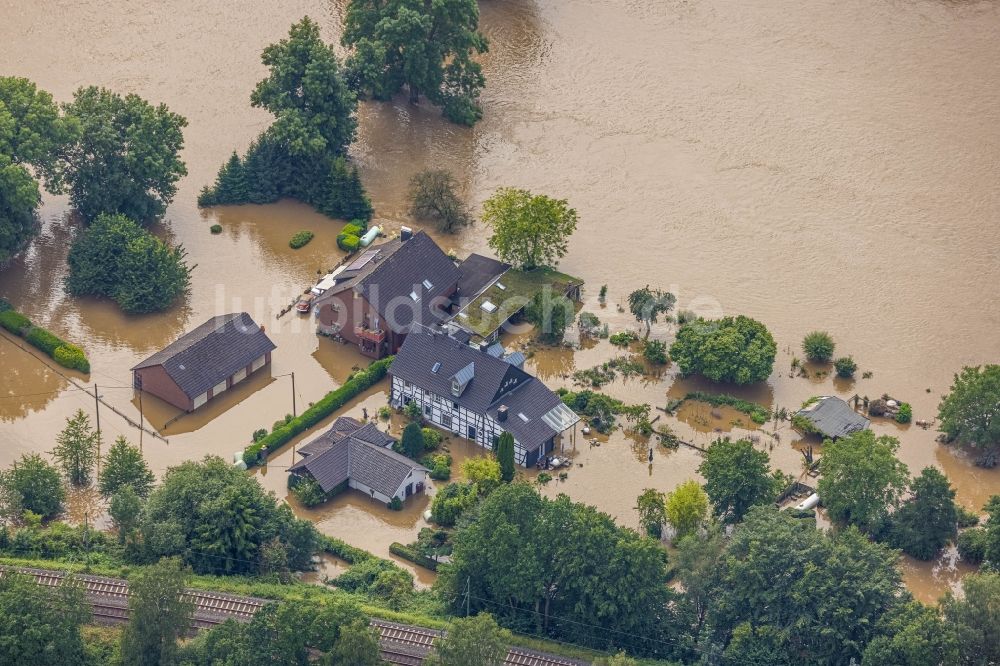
363	260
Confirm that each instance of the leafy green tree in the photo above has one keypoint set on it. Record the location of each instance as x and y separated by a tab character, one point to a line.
990	541
76	449
529	230
655	351
862	480
40	625
451	501
845	367
413	440
472	641
620	659
559	568
125	509
31	484
736	350
818	346
125	466
976	619
31	129
646	305
505	456
686	507
482	471
433	198
19	197
126	158
225	516
158	614
551	314
428	47
737	477
313	107
651	505
357	645
926	522
969	412
118	259
912	635
808	593
696	561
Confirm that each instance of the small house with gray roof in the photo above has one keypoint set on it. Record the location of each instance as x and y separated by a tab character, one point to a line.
205	362
831	417
355	455
478	392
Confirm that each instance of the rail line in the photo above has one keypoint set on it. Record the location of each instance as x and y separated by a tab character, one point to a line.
400	644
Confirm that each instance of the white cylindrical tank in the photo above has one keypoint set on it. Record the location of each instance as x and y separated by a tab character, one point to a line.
808	503
370	236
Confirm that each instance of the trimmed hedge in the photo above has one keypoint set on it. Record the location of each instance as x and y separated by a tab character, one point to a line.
411	555
15	322
348	242
65	354
330	403
757	413
299	239
345	551
353	229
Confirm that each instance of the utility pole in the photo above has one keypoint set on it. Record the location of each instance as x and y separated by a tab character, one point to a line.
468	591
293	395
141	421
97	409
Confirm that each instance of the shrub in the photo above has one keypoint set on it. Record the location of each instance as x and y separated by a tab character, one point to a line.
216	228
966	518
757	413
299	239
623	338
384	413
905	413
4	305
818	346
877	407
589	323
309	492
395	504
412	555
655	351
348	242
259	434
432	439
15	322
845	367
71	356
412	411
972	545
355	228
327	405
451	501
439	464
44	340
685	316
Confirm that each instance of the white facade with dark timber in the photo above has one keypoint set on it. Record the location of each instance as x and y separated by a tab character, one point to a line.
478	393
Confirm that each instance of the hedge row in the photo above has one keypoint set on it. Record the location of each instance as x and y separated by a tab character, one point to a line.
345	551
757	413
62	352
334	400
411	555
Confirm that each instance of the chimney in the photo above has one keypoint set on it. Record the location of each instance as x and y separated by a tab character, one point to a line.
405	234
483	346
502	413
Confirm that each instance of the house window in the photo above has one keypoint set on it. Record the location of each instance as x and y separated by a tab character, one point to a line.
427	410
472	432
446	420
454	405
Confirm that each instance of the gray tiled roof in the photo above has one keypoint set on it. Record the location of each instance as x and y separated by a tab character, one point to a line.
212	352
496	382
344	452
478	272
833	417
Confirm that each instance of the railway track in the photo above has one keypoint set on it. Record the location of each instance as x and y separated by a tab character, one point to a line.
401	644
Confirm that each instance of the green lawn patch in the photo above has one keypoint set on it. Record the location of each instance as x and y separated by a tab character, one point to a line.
510	294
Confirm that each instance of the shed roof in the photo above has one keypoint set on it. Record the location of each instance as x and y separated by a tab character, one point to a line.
212	352
350	450
833	417
478	272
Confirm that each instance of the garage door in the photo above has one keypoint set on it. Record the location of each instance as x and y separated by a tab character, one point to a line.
201	400
240	376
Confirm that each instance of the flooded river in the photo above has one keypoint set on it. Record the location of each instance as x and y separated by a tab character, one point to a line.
827	165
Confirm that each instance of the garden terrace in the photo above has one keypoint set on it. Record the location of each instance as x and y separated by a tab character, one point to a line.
508	296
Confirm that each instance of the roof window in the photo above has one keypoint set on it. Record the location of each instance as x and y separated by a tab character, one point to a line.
436	367
521	416
489	306
427	284
414	296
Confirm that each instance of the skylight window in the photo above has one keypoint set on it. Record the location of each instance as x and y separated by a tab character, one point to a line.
521	416
414	296
427	284
436	367
501	287
489	306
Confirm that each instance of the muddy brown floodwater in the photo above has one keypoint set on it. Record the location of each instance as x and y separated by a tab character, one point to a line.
825	165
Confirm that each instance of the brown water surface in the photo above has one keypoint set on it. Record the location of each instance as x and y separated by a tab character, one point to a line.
823	165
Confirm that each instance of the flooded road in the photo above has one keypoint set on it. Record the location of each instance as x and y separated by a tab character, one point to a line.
830	166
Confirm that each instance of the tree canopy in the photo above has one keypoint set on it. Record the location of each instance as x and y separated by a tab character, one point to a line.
31	484
303	154
736	350
818	346
126	156
158	614
433	198
737	477
40	625
646	305
551	314
970	413
557	567
505	456
925	523
118	259
652	510
426	46
976	619
472	641
529	230
686	507
862	480
125	466
76	449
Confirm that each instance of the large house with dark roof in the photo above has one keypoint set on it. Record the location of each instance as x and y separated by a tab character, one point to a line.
478	392
205	362
352	455
375	299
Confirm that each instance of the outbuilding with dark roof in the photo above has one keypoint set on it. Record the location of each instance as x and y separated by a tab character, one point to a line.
205	362
831	417
358	456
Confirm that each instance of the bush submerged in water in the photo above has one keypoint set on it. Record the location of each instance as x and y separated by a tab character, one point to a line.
299	239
